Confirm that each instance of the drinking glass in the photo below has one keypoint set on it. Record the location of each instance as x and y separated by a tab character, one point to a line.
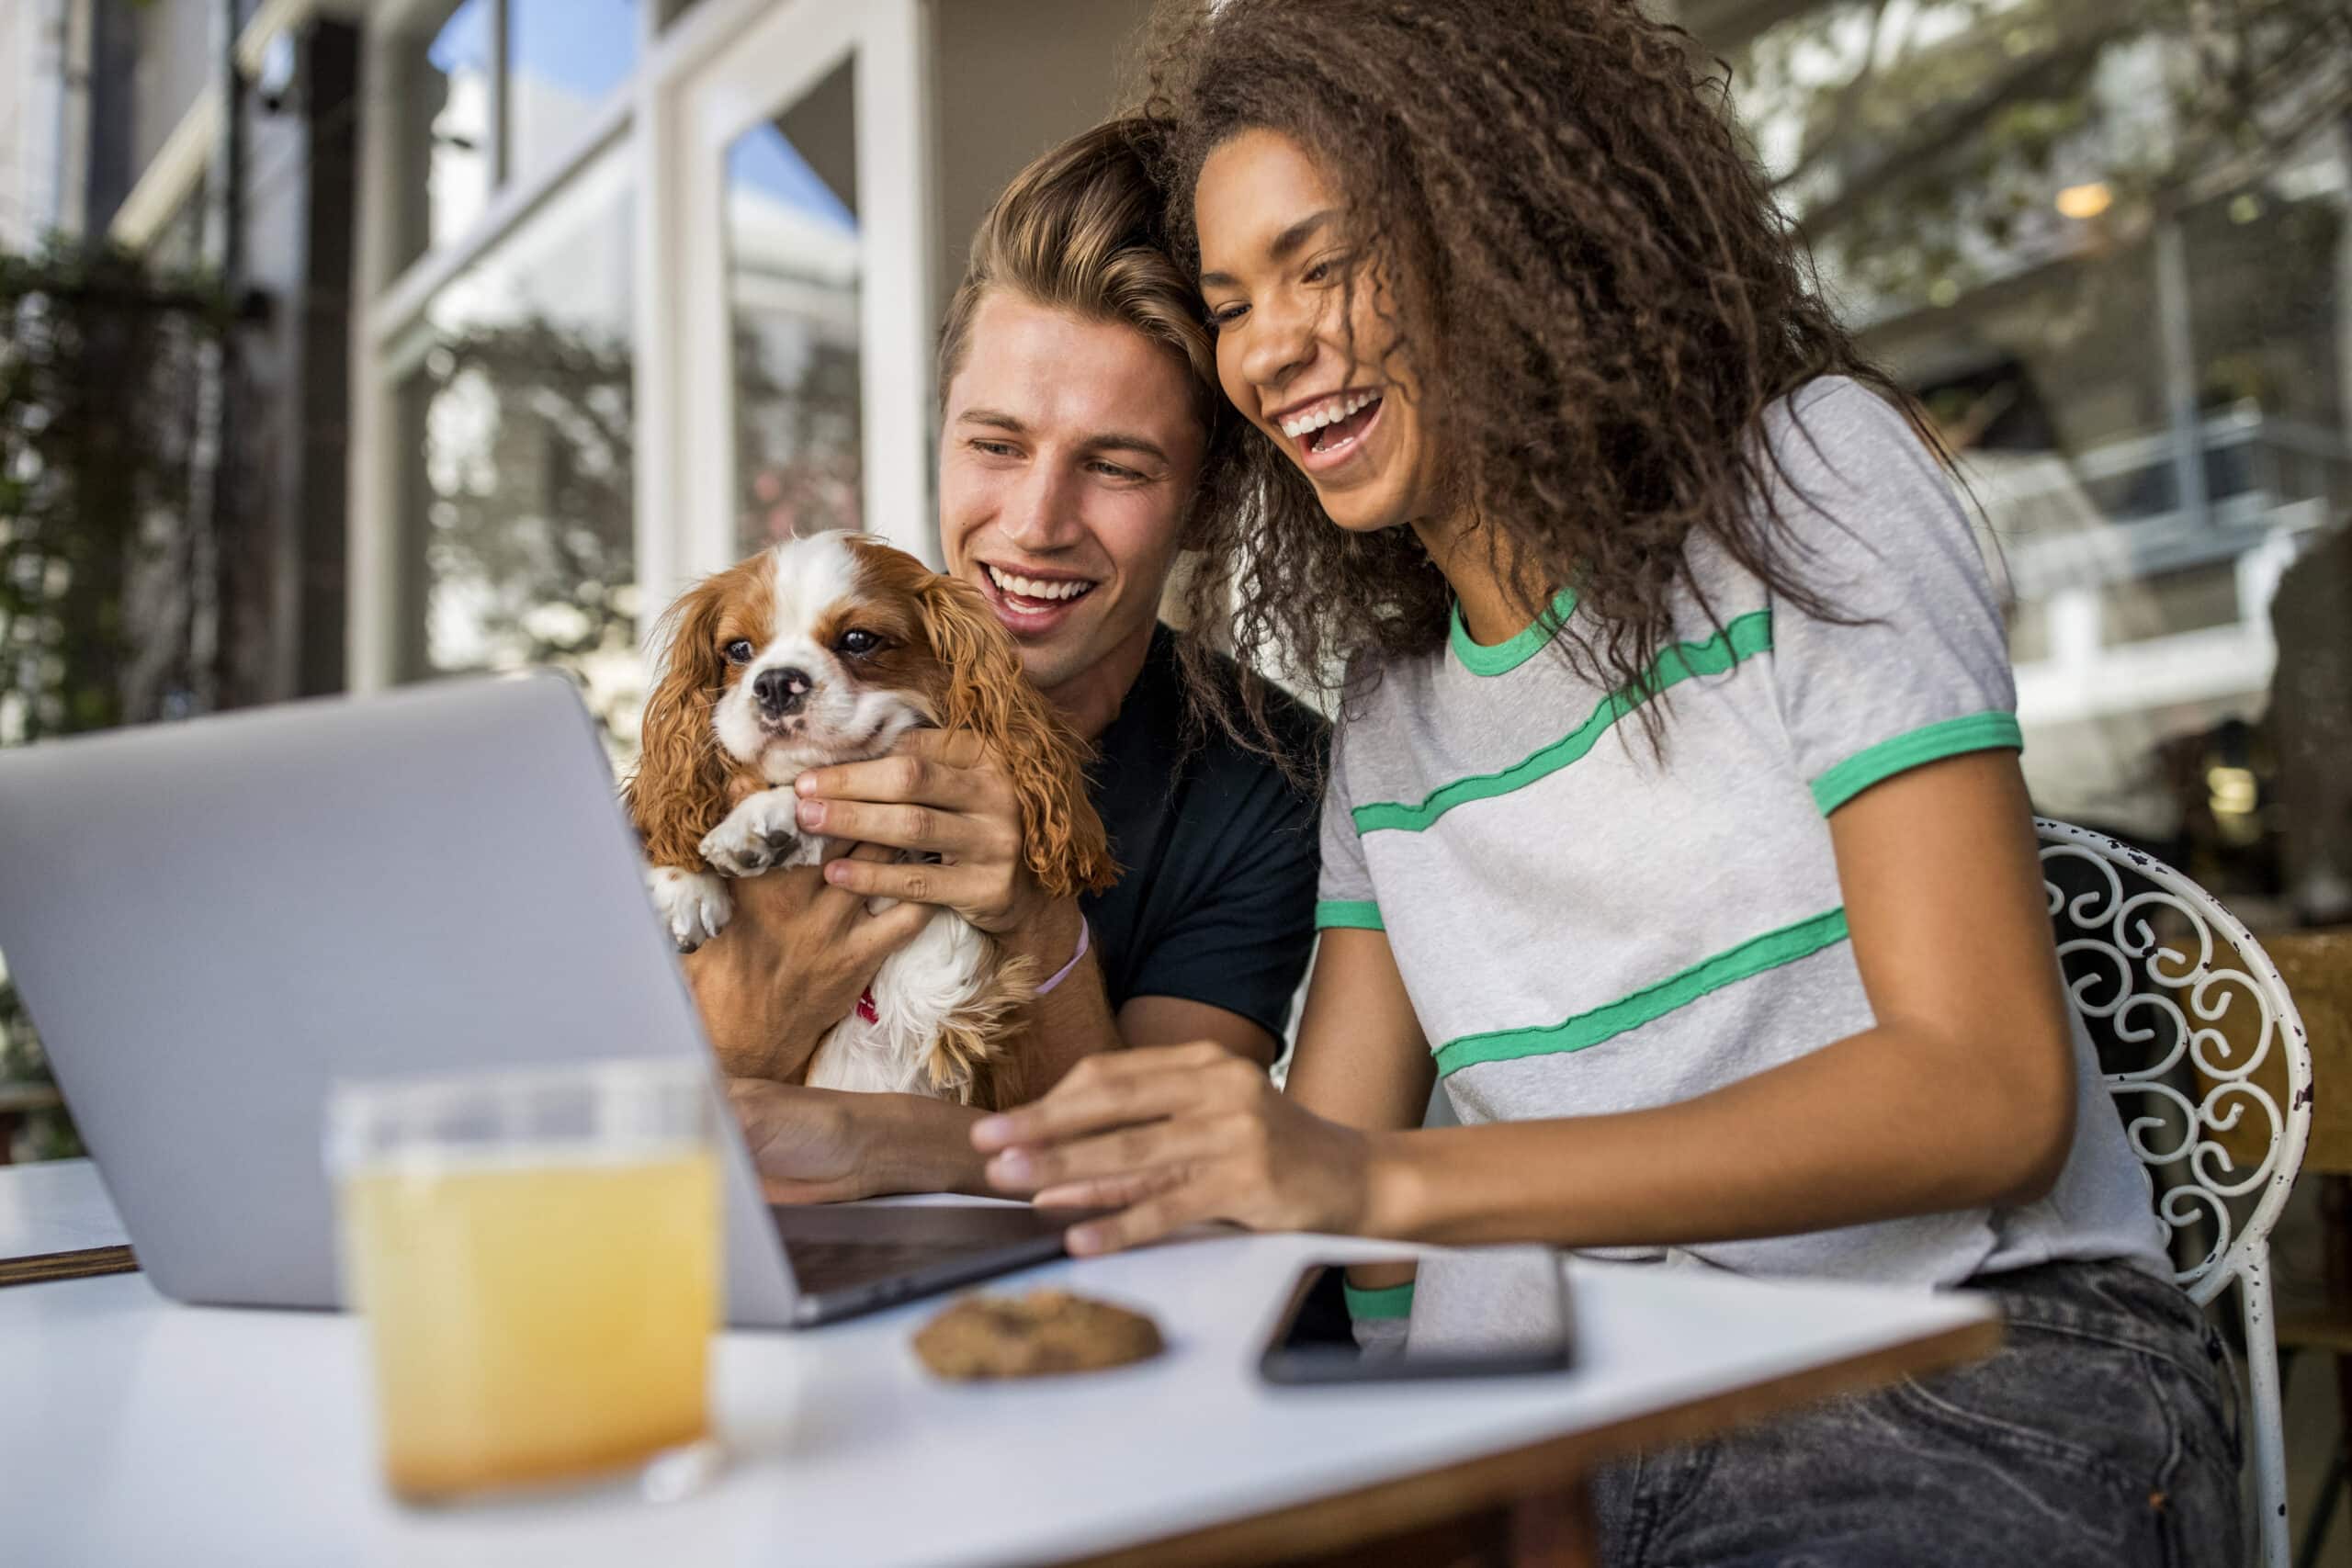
537	1256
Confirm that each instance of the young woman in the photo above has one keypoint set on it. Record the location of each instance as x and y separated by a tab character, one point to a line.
1674	818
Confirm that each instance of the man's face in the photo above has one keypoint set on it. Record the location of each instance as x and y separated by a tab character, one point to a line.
1068	452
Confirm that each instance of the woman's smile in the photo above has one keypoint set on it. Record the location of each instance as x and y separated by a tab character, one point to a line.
1325	432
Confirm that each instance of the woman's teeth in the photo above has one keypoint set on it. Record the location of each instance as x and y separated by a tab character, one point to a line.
1034	588
1329	412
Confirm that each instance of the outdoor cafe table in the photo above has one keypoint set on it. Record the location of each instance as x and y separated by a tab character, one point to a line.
134	1430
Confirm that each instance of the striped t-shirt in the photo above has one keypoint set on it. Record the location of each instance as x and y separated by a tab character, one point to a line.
1583	929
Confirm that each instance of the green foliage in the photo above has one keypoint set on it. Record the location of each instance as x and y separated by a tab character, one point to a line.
97	372
1922	145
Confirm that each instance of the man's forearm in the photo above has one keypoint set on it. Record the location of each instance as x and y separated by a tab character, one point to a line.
1074	1019
919	1145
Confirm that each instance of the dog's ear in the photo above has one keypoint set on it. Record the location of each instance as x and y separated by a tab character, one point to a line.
677	792
987	693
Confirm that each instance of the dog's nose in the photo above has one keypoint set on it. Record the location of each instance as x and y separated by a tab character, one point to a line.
781	692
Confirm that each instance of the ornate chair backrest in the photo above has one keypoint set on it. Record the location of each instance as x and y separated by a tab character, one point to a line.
2210	1069
2170	982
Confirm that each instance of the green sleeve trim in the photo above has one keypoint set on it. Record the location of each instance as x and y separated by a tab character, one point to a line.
1743	638
1353	914
1750	958
1929	743
1392	1300
1505	656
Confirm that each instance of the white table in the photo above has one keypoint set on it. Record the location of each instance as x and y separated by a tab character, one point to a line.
55	1210
133	1430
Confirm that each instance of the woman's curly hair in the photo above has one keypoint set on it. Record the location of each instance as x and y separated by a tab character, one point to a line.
1595	295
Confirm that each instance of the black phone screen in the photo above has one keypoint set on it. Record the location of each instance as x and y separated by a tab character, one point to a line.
1510	1316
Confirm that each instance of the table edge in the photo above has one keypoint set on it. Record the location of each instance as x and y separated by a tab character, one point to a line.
79	1263
1334	1523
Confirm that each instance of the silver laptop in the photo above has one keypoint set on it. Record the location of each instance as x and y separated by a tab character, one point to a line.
213	922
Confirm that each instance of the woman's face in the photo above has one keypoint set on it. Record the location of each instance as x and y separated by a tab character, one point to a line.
1299	352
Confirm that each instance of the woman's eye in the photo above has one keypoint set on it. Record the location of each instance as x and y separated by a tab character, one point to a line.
1225	315
1318	272
737	652
856	642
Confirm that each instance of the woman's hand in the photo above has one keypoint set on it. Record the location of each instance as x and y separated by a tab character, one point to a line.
1174	1136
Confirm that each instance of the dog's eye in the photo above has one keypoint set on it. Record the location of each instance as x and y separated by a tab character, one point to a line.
856	642
737	652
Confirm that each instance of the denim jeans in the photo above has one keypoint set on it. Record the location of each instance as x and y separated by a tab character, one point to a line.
2098	1435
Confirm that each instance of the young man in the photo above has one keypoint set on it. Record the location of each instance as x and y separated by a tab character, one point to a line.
1078	394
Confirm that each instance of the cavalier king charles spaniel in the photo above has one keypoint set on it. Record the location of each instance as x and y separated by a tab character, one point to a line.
827	649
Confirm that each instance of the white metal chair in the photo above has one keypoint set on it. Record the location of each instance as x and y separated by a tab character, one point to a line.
2155	963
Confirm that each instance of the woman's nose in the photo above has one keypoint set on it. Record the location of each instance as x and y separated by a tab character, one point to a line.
1281	343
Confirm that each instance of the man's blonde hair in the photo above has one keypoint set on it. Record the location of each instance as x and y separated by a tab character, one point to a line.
1081	229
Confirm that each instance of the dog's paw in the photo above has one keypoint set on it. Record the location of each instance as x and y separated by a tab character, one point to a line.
759	835
694	903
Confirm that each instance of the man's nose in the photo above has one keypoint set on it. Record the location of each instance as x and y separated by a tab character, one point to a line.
782	692
1043	514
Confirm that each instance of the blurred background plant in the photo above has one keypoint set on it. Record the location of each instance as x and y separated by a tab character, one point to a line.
110	595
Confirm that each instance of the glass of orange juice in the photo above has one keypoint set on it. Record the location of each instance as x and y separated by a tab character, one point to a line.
537	1256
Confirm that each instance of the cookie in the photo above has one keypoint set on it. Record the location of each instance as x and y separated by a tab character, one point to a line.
1039	1334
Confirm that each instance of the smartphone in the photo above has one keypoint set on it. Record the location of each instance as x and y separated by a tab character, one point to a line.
1507	1312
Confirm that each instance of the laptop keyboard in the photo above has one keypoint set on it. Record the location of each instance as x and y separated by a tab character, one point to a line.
836	1265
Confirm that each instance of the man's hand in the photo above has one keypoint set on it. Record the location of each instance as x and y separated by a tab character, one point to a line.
942	794
818	1146
790	965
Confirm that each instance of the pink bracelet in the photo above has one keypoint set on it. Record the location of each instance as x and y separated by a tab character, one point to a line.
1085	939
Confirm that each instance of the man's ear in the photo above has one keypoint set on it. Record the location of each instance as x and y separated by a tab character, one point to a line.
1062	839
677	792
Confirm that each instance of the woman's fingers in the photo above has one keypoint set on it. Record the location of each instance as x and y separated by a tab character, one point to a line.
1152	1145
1111	1191
1111	1090
1146	1222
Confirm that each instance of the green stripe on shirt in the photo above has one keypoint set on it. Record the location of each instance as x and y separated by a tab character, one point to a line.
1929	743
1353	914
1746	635
1651	1003
1393	1300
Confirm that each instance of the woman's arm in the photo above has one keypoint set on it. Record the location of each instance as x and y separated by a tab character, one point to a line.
1362	1059
1961	1094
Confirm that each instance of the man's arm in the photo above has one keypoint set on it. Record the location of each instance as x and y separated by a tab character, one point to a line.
790	964
1076	1019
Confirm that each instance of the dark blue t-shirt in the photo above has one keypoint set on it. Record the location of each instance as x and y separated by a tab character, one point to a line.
1217	855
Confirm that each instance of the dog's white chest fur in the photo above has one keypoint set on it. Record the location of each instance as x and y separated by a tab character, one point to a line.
939	973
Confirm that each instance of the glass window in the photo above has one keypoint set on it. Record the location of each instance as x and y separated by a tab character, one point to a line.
488	91
564	58
2115	276
442	116
792	279
514	413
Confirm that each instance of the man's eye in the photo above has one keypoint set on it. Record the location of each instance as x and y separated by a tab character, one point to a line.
857	642
995	449
737	652
1115	471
